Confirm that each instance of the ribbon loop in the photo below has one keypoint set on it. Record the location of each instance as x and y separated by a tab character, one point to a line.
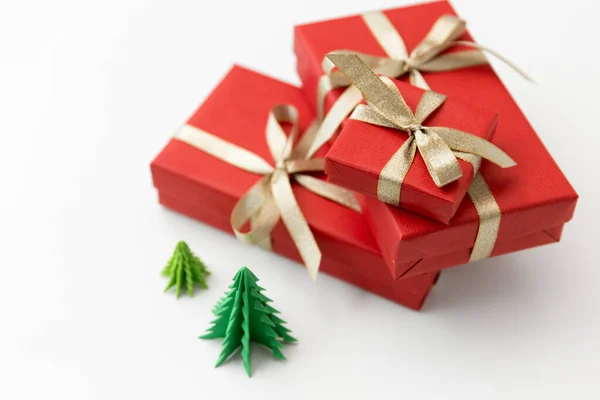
467	143
366	114
255	206
441	36
279	143
430	101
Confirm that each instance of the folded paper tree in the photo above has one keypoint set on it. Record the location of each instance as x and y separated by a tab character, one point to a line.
244	316
185	270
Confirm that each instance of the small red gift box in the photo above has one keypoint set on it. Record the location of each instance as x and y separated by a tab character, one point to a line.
206	188
531	201
361	151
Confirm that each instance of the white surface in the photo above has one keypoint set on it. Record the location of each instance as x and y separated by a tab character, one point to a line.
90	93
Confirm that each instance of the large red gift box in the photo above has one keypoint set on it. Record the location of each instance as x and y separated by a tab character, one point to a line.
361	151
205	188
534	197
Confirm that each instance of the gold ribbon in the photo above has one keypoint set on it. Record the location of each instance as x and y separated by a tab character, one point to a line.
489	214
387	108
272	197
426	57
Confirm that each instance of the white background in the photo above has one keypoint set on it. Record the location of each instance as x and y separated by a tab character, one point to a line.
89	94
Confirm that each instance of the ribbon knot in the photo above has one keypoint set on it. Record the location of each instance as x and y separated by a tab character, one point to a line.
412	128
386	107
281	165
272	197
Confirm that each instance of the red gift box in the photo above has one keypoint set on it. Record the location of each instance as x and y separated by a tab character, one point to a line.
534	197
203	187
361	151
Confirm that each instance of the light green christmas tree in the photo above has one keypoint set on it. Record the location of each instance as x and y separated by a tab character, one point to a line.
184	269
243	316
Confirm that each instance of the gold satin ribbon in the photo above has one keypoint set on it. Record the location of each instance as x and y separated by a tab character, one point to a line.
272	197
489	214
387	108
426	57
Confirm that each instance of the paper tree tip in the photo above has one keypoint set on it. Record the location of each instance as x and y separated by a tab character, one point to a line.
243	316
185	271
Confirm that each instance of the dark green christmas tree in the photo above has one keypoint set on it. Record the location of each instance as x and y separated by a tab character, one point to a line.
184	268
243	316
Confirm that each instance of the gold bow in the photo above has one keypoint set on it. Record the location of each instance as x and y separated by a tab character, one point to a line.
387	108
425	57
272	197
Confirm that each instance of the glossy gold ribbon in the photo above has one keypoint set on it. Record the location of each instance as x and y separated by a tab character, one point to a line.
387	108
426	57
272	197
489	214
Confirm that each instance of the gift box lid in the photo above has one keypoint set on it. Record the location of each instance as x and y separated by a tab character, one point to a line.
237	111
361	151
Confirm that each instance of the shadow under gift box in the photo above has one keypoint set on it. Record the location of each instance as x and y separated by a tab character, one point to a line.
203	187
361	151
534	197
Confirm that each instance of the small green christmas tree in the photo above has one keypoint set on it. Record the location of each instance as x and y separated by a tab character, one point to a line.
243	315
184	268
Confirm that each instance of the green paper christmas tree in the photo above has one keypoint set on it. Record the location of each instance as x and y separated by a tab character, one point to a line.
243	315
184	268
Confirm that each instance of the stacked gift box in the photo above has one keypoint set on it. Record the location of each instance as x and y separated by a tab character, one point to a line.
429	163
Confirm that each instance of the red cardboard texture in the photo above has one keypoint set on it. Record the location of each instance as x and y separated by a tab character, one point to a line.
362	150
206	188
533	197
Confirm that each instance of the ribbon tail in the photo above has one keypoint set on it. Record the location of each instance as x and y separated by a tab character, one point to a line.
329	191
468	143
497	55
296	223
335	117
489	218
439	159
393	173
452	61
255	224
416	79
